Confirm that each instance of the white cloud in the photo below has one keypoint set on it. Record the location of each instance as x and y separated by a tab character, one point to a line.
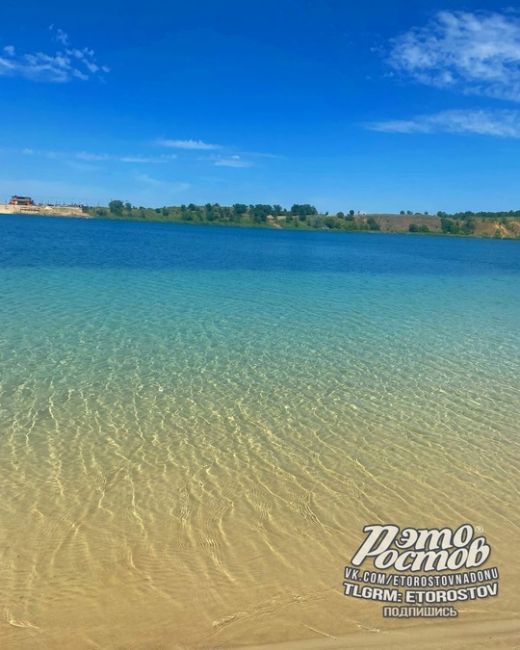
499	123
90	156
197	145
58	67
475	53
232	161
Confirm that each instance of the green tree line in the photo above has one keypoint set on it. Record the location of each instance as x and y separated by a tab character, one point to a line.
299	215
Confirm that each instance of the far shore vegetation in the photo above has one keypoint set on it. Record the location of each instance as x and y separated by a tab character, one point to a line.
502	225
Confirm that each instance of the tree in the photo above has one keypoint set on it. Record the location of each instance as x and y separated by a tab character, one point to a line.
240	208
448	226
303	210
351	213
413	227
340	215
468	227
260	212
116	207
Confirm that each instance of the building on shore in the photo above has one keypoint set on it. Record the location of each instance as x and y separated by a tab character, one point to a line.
21	200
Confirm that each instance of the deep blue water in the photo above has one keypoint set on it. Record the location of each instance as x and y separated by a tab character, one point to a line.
58	242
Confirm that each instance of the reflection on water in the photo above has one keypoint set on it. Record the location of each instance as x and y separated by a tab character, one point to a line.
196	424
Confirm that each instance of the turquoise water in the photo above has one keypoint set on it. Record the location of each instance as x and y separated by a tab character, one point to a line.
196	423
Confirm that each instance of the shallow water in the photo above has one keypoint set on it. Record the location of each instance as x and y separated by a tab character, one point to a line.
196	423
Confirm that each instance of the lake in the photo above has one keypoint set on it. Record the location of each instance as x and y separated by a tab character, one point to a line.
196	423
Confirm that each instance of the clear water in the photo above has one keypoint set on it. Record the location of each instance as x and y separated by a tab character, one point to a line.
196	423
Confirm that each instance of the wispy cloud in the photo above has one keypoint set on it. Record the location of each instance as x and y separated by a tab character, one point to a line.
62	66
196	145
47	153
225	156
499	123
472	52
128	158
259	154
87	155
90	156
232	161
59	35
144	160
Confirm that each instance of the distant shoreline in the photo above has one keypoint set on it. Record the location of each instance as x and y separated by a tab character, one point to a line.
388	223
43	210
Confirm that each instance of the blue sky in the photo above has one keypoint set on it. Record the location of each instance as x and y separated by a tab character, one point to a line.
374	106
